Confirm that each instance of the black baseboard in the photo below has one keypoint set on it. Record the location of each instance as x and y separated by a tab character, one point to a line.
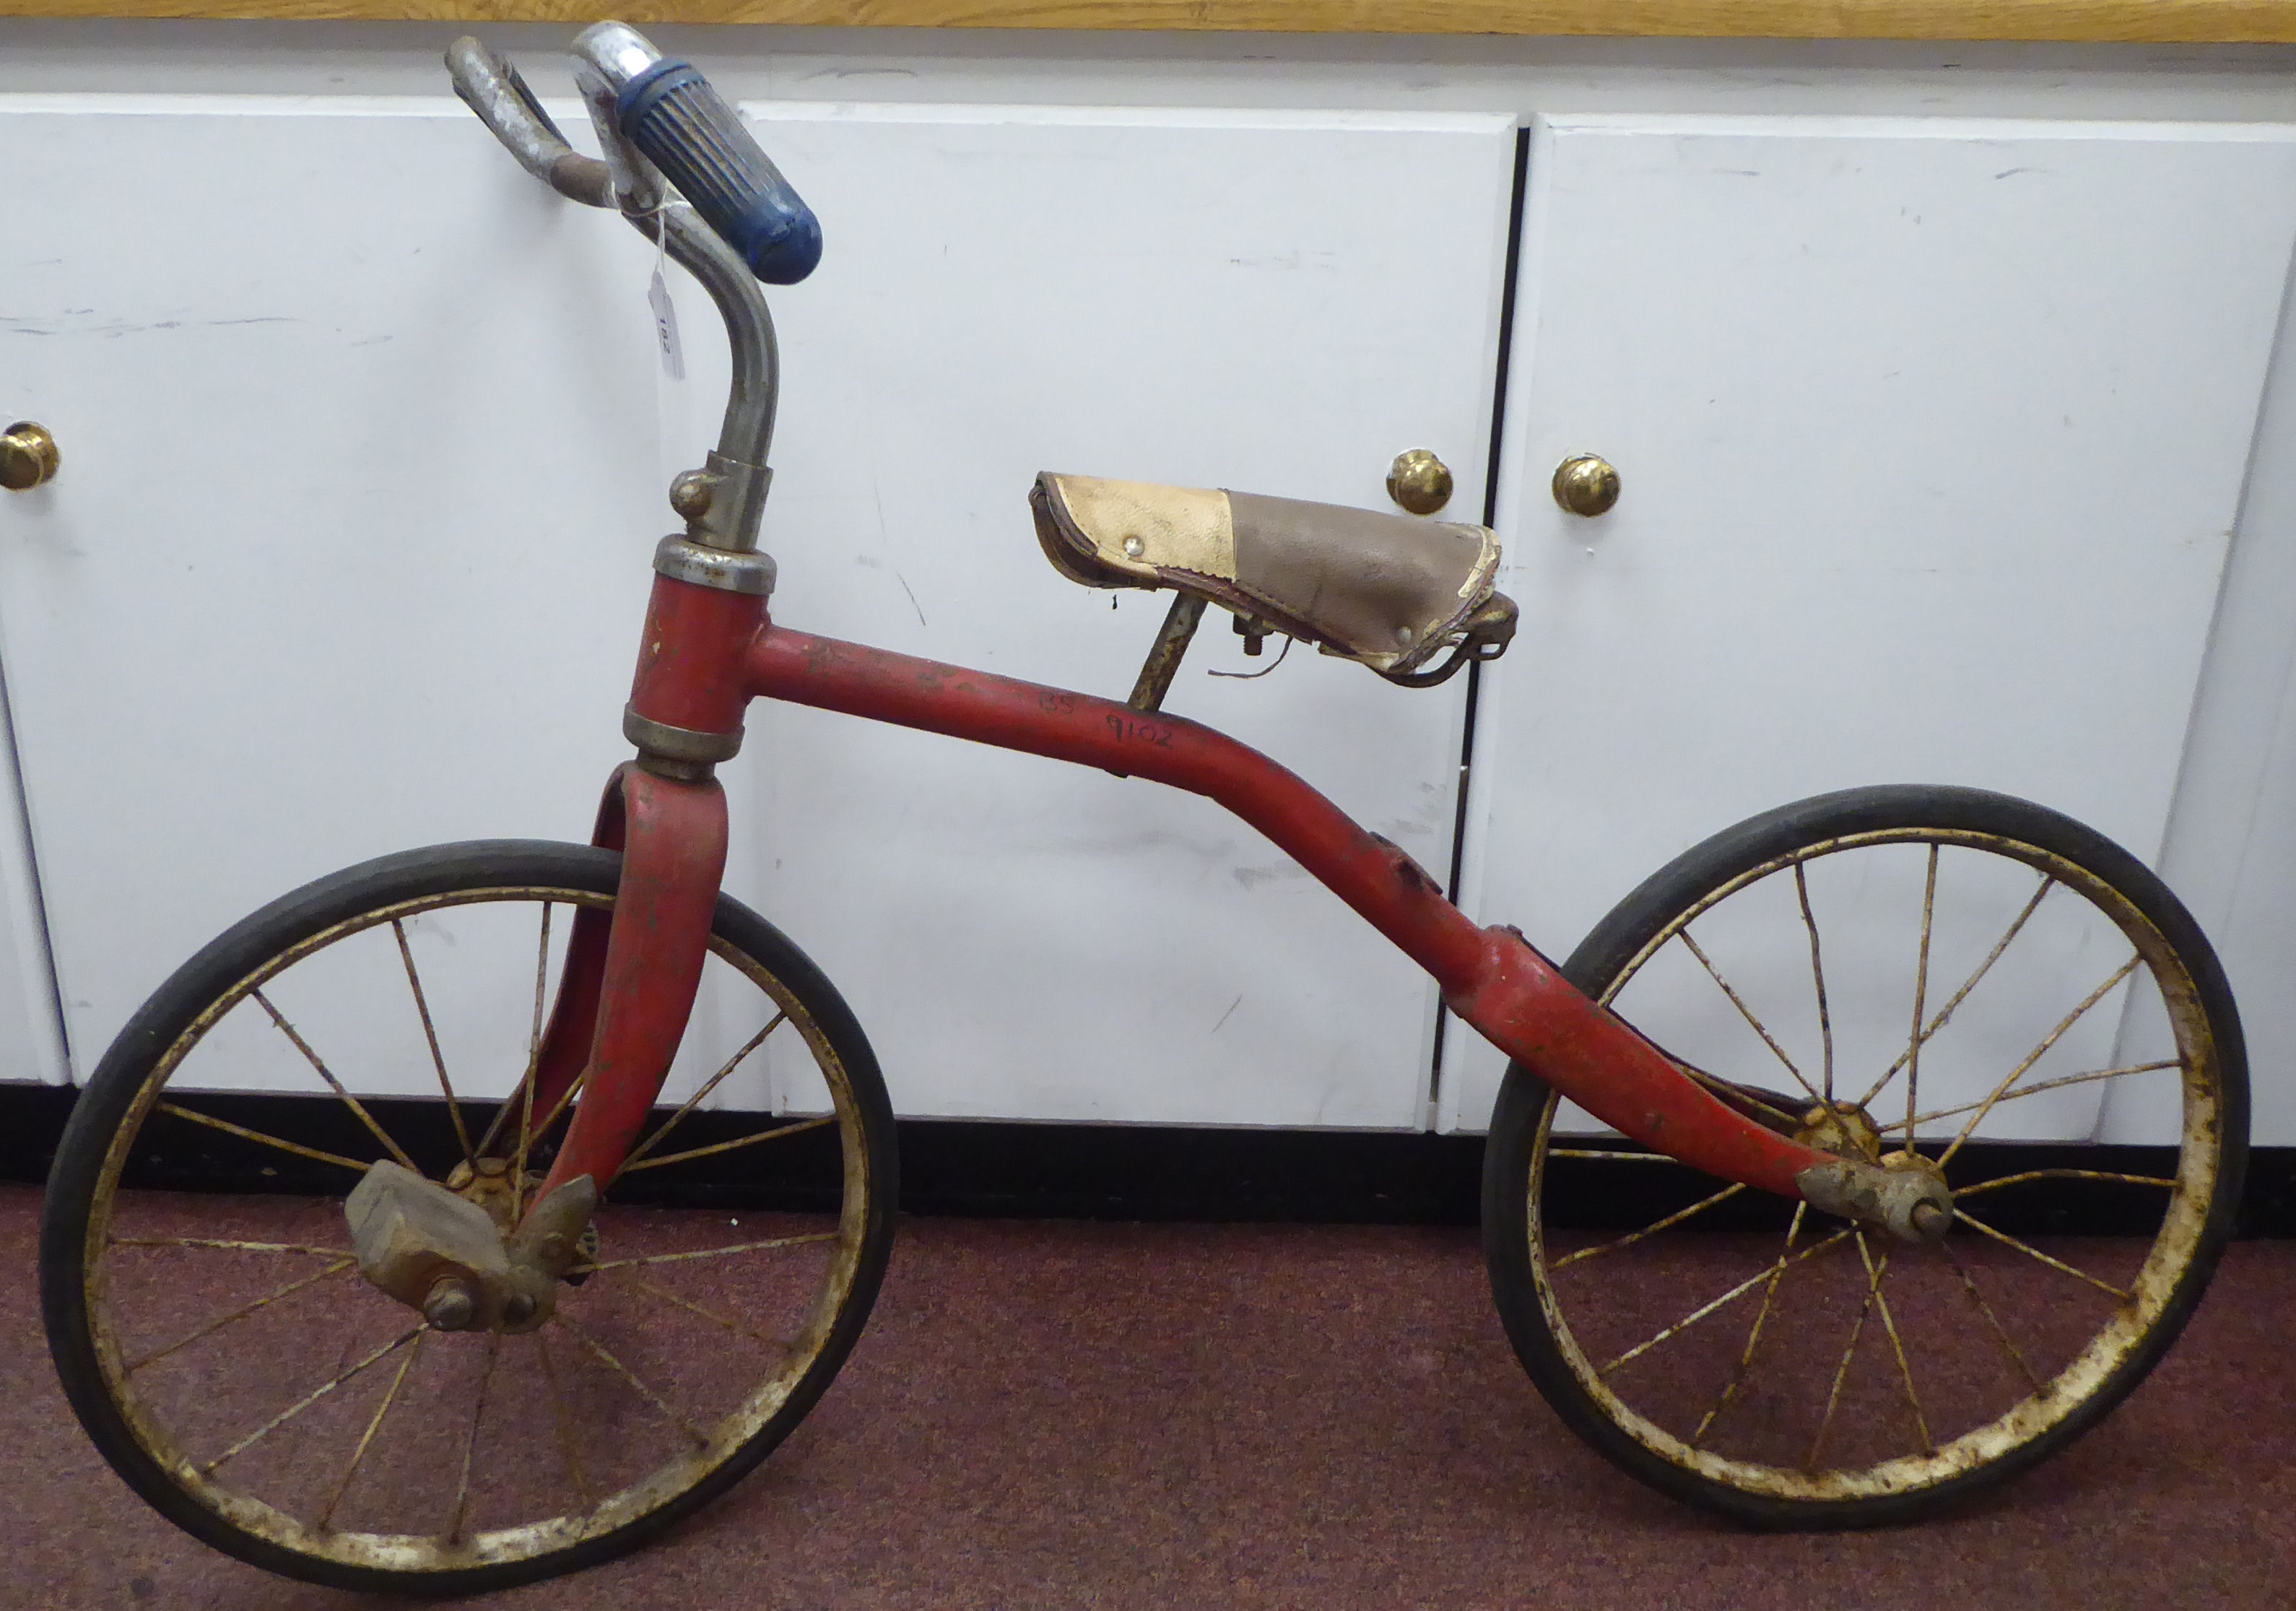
1074	1172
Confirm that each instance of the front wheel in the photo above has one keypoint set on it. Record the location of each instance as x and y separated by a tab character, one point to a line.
210	1325
1955	975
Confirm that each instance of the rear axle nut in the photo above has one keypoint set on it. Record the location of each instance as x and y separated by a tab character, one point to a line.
451	1306
1931	1219
1909	1200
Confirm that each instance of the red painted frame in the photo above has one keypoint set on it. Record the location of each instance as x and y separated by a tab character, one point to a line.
708	652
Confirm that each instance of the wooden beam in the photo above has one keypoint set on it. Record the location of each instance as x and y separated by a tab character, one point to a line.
2132	21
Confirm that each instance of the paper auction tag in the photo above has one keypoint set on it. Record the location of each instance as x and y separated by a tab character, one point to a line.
665	327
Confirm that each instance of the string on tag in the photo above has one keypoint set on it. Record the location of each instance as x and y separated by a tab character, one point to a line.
665	312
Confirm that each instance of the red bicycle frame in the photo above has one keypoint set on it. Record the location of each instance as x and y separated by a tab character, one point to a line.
629	982
710	649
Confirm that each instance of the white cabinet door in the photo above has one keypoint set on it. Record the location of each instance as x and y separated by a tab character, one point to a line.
1207	298
1930	433
364	464
347	552
31	1036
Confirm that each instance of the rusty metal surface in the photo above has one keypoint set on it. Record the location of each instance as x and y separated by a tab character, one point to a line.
414	1239
1492	978
682	559
1910	1202
673	854
442	1251
1484	635
1164	662
308	1523
658	742
1932	1454
689	671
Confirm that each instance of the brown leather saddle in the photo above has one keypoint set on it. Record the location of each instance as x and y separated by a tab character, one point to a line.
1394	591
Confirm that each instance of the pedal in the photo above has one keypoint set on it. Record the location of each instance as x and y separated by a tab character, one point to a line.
435	1250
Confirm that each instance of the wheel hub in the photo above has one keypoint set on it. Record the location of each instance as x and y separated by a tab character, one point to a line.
1902	1192
489	1185
1844	1129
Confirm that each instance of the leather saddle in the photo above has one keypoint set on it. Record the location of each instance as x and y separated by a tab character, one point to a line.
1393	591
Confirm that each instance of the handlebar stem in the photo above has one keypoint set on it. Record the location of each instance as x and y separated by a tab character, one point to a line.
605	56
738	503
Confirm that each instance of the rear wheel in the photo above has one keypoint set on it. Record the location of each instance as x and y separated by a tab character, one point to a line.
1941	972
218	1340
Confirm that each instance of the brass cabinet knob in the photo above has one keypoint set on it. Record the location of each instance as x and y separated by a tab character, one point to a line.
1419	482
27	456
1585	484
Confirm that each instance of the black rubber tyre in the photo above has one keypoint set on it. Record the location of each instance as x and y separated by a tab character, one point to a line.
1898	1442
525	1457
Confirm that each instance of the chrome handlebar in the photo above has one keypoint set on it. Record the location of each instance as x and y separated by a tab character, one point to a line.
606	56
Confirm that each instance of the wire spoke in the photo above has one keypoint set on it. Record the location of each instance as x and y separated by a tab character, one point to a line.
2027	1248
528	1136
708	1086
1754	1336
1912	1058
1946	1012
1731	1091
2035	1090
430	1034
1628	1240
334	1084
1970	1284
228	1246
314	1396
1699	1313
2064	1174
1746	1012
522	1099
1875	1272
657	1290
257	1136
1581	1152
366	1437
1818	976
2037	1053
567	1443
533	1065
778	1133
662	1404
470	1448
707	1252
242	1312
1840	1375
541	985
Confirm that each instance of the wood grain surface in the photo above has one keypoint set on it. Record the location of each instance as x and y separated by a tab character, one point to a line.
2143	21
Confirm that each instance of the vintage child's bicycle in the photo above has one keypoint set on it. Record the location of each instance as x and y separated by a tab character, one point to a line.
449	1346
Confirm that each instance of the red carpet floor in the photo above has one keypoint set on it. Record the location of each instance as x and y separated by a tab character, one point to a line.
1056	1415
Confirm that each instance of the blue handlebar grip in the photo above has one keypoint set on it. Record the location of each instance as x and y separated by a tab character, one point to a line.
685	127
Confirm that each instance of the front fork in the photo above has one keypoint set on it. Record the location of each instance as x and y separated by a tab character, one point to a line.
630	977
625	990
624	994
